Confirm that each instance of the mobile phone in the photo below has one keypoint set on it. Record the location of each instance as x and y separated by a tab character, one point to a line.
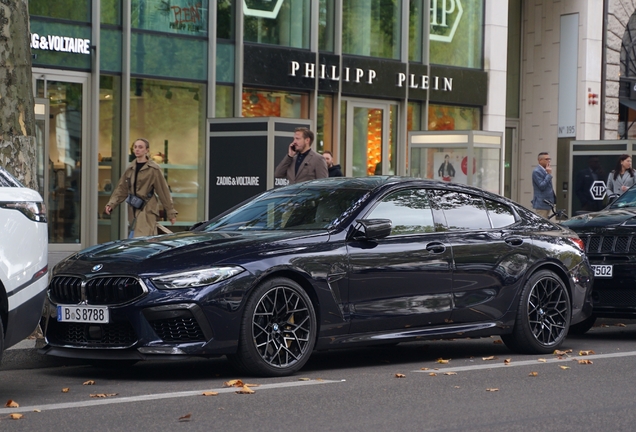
293	147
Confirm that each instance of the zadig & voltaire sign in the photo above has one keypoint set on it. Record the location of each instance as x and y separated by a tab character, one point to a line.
367	76
61	43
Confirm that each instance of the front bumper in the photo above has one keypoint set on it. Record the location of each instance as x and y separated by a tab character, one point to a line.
160	324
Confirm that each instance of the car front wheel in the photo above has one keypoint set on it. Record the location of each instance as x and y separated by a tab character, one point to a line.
278	331
543	317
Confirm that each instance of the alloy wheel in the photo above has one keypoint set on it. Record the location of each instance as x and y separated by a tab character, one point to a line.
548	311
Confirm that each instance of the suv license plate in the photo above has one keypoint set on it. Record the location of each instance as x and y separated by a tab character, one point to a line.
83	314
602	270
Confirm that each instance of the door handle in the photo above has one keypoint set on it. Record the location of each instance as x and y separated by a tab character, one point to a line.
514	241
435	247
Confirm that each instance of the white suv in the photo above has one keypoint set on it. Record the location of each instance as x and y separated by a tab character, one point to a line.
23	260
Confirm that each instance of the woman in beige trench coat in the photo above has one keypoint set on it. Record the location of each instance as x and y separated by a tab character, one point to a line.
143	179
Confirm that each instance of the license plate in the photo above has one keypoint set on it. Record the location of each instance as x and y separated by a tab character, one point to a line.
603	270
83	314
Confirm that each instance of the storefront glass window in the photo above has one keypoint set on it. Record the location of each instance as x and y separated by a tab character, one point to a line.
324	124
446	117
224	101
416	13
225	62
111	12
457	33
169	56
267	103
225	19
111	46
109	151
185	17
172	115
326	25
371	28
285	23
74	10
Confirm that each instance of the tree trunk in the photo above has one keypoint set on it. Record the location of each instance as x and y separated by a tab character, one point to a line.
17	117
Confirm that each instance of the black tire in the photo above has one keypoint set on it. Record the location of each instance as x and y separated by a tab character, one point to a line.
543	316
582	327
1	339
278	331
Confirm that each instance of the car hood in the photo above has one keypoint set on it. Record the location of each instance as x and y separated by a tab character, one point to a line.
602	219
181	250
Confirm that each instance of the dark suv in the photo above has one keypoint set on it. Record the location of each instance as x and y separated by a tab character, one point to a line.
610	243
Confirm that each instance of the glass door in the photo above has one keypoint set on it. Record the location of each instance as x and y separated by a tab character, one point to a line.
370	134
61	120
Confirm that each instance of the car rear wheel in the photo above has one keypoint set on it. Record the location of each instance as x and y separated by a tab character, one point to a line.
543	317
582	327
1	339
278	331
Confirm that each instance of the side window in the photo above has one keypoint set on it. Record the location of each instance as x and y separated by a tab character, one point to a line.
409	211
463	211
500	214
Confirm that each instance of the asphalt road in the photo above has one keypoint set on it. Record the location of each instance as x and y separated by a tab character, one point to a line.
482	387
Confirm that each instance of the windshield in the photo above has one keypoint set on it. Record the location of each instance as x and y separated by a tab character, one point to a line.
291	209
628	199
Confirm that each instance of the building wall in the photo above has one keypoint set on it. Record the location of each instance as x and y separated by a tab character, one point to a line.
540	80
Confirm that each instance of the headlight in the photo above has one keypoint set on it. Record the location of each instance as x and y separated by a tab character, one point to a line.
33	210
196	278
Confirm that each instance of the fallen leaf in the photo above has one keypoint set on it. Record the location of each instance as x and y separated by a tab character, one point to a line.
65	390
604	325
210	393
585	362
562	353
185	417
423	368
245	390
319	379
303	379
252	385
533	374
432	374
442	361
456	387
542	360
507	361
11	404
89	382
15	416
498	341
103	395
450	373
620	325
564	367
37	410
488	358
588	352
492	389
233	383
399	375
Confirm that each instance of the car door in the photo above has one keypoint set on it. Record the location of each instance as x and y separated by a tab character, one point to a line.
403	281
490	254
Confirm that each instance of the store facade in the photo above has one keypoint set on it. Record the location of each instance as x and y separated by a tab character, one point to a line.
361	74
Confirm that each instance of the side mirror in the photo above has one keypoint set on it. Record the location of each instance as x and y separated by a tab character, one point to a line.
372	229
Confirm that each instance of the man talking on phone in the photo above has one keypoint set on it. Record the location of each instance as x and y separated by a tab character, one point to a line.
542	186
302	163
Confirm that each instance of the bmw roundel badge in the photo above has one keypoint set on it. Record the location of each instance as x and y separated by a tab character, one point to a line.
97	267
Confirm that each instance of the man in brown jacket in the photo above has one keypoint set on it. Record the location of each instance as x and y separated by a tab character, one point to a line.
144	180
302	163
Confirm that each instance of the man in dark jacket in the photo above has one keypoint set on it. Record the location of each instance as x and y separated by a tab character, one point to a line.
301	163
334	170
